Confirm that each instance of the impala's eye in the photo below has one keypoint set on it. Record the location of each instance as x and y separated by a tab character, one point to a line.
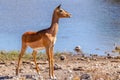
60	10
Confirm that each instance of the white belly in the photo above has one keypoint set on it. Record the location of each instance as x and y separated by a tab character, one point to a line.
39	48
36	45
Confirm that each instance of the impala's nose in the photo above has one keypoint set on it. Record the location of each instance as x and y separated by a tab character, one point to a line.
69	15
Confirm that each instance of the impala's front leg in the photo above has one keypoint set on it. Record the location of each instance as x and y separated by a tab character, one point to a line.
52	61
49	59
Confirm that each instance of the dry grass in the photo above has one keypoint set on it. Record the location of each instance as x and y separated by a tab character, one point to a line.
13	55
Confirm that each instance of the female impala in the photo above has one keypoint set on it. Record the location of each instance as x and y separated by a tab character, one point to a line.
43	39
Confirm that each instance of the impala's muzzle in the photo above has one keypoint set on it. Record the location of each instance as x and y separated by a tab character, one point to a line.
69	15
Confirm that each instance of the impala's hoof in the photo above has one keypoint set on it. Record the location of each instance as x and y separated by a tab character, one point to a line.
53	78
17	73
38	73
16	78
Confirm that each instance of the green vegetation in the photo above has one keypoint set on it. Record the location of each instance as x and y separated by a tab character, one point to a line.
13	55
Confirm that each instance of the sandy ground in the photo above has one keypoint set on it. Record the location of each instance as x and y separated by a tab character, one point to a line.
74	67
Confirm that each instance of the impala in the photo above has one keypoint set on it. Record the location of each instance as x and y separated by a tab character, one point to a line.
43	39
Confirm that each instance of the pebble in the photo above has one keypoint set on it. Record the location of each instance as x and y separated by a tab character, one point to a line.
78	69
12	62
76	78
57	67
32	63
69	71
77	48
100	79
118	77
43	62
109	56
82	59
88	60
85	77
2	63
95	59
26	62
62	57
117	48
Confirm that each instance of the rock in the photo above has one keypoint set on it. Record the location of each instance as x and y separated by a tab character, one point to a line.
69	71
62	57
23	78
109	56
26	62
95	59
76	78
100	79
78	69
2	63
93	55
65	78
118	72
41	67
68	65
85	77
12	62
78	50
117	47
118	77
117	57
82	59
42	62
70	77
15	78
57	67
88	60
32	63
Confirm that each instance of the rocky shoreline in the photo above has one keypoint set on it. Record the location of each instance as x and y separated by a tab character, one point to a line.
67	67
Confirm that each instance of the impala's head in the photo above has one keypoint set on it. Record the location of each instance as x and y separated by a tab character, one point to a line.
61	13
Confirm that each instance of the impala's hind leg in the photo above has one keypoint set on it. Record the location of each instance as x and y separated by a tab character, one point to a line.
23	49
34	57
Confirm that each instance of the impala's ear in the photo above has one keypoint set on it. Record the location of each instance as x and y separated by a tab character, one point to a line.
59	6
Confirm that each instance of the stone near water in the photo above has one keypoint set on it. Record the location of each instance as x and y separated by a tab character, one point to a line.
82	59
117	48
62	57
76	78
12	63
100	79
57	67
77	49
32	63
85	77
26	62
78	69
2	63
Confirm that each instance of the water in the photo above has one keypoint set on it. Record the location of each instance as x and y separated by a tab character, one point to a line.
94	23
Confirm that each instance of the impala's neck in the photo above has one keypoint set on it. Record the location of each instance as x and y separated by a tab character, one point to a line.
54	25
